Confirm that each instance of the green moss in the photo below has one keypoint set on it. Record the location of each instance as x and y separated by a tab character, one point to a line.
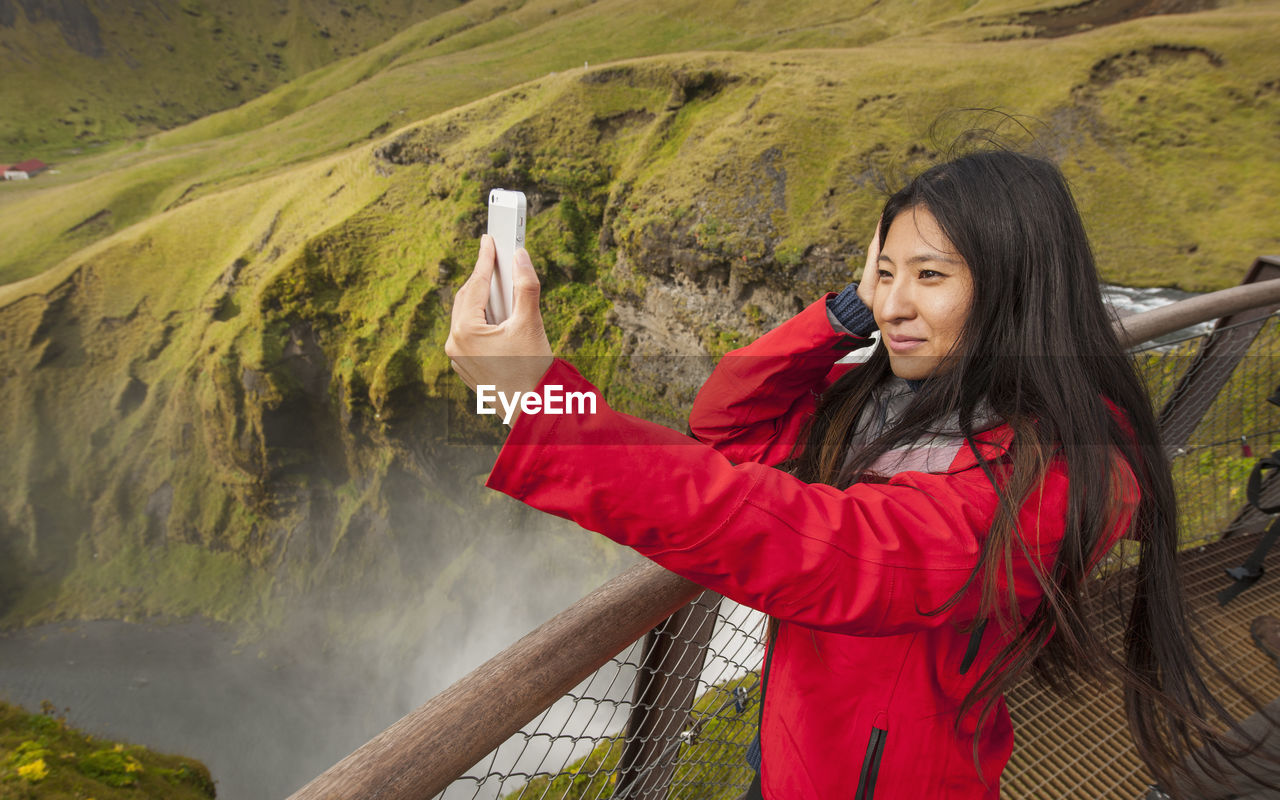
42	757
574	315
162	70
710	765
176	580
112	767
718	340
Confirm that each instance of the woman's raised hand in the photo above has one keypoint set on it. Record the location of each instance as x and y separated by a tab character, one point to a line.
871	272
511	356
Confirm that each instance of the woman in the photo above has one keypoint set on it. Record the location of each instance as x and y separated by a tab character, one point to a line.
920	528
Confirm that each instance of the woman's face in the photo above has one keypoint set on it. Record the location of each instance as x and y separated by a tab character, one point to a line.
923	296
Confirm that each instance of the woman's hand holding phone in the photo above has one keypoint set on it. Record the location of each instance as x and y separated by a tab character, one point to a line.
511	356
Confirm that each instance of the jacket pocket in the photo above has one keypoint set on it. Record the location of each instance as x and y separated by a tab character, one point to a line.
871	765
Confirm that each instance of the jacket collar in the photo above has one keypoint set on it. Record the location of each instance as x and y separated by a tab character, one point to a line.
941	452
992	444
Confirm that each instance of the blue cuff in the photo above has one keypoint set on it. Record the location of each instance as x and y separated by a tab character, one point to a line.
852	313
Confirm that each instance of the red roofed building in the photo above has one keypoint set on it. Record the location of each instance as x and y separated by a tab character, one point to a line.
27	169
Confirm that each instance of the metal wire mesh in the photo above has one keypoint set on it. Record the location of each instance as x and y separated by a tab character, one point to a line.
1066	749
575	748
1210	469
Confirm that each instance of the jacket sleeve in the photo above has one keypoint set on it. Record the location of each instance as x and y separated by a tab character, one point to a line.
867	560
757	400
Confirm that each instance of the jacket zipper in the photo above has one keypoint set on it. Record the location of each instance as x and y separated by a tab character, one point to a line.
871	765
764	686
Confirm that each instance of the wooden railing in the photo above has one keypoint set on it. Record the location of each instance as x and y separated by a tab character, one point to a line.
420	755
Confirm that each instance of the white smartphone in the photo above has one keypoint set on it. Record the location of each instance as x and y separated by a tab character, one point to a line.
506	226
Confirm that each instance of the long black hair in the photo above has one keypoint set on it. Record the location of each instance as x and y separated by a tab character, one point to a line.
1038	350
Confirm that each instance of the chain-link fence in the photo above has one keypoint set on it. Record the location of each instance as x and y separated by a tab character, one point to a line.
1211	466
580	747
576	748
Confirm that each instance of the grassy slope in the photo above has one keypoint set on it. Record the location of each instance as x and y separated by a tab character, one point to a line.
139	68
407	78
41	757
449	60
410	78
150	376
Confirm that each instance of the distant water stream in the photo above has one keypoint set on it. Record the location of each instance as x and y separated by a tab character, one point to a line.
1128	301
264	726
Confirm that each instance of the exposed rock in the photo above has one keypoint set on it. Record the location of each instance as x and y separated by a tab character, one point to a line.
160	503
1089	14
99	222
1139	62
132	396
407	149
76	22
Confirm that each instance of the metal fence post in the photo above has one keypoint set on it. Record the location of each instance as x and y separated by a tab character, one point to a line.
1214	363
665	690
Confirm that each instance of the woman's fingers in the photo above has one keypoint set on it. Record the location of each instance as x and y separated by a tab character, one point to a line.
473	295
527	290
470	300
871	271
873	250
482	353
526	323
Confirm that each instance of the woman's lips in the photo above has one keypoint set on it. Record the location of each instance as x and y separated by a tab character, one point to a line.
902	344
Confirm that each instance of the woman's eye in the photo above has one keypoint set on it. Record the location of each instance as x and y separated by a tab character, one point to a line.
884	273
929	273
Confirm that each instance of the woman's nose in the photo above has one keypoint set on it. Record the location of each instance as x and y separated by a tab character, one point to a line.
897	300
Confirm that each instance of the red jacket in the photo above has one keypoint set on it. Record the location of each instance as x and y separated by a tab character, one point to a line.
862	687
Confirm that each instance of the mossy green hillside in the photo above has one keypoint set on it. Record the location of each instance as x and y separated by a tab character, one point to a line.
86	75
218	395
80	74
485	46
43	758
249	388
449	60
